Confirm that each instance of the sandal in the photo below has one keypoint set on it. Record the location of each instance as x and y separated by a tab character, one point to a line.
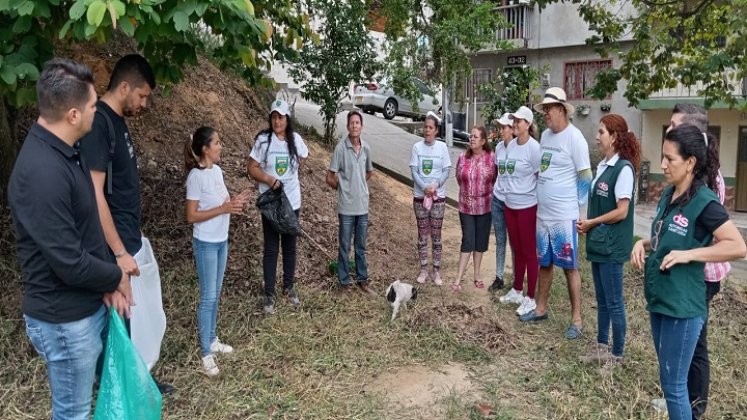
456	287
479	284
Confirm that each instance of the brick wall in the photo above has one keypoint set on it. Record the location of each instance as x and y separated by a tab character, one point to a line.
656	187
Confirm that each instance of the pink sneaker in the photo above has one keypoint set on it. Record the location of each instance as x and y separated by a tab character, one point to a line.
423	275
437	278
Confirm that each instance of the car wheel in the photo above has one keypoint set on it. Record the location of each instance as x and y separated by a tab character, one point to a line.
390	109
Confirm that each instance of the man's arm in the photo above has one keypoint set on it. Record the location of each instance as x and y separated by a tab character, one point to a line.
125	261
331	179
583	183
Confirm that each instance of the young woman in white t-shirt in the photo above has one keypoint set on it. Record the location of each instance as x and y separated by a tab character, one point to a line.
520	188
209	207
274	162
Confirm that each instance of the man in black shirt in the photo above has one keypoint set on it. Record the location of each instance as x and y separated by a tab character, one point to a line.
66	265
110	155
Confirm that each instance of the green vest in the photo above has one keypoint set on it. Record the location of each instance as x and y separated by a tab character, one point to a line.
609	242
679	292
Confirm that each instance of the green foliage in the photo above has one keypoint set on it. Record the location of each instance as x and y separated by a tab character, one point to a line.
433	39
343	53
510	89
688	42
163	29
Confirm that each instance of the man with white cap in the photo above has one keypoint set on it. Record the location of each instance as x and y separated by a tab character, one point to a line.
506	135
562	187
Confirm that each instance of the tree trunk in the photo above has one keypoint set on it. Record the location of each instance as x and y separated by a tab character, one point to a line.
8	147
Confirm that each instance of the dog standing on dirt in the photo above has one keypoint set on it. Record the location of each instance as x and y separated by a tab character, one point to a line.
399	293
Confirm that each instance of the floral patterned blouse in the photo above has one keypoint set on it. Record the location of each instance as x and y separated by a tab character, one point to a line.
475	176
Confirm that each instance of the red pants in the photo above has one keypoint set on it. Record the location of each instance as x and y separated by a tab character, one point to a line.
522	235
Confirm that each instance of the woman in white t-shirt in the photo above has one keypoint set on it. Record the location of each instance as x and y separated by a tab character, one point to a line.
520	188
274	162
209	207
429	165
498	202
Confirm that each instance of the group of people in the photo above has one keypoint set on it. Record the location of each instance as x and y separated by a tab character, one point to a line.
538	189
75	201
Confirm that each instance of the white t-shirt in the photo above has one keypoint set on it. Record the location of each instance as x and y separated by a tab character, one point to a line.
625	180
522	165
275	161
500	162
430	161
564	155
207	188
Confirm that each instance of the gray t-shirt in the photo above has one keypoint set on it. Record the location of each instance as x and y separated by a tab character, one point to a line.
351	169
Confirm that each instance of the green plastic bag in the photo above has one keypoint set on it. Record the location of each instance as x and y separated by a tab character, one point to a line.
126	391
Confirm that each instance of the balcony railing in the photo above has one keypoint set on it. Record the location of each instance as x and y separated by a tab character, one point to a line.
518	17
682	91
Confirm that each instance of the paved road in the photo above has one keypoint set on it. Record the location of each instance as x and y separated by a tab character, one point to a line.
392	146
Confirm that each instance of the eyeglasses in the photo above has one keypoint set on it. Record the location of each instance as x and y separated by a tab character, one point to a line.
655	239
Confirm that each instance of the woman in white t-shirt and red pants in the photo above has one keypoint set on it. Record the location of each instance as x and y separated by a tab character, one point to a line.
209	207
520	188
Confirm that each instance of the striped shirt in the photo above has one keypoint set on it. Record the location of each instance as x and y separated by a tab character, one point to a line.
717	271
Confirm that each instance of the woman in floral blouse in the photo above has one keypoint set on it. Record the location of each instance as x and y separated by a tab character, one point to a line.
475	174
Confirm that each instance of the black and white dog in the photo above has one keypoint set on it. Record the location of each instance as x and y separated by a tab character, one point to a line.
399	293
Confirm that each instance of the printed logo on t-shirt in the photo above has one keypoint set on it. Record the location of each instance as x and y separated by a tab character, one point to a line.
511	166
545	163
681	220
680	224
602	189
281	164
501	167
427	166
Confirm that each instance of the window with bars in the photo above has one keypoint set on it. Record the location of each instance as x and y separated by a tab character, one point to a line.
581	76
480	77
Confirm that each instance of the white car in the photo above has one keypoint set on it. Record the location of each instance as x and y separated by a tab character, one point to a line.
374	97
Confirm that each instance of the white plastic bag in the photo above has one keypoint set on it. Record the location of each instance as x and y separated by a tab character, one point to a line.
148	321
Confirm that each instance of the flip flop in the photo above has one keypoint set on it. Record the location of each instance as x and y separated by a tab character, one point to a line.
479	284
456	288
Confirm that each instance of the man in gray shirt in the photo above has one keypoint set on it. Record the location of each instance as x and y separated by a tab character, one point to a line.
348	173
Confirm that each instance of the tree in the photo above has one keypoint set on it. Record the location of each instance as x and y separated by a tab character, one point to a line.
688	42
168	32
344	53
433	40
510	89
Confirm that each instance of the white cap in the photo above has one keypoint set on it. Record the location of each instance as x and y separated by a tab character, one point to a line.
504	119
281	107
523	113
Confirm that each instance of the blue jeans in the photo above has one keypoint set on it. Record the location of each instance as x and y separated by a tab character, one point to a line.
674	341
70	351
350	226
499	226
608	288
210	258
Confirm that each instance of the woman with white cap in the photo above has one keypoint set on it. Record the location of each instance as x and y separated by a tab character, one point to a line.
273	162
506	135
522	167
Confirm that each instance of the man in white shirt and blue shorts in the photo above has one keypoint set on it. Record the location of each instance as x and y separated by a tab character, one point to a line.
562	186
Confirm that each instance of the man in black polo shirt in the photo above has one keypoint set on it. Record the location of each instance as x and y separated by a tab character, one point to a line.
66	265
114	169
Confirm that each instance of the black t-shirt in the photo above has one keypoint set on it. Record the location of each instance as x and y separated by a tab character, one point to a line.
711	218
124	201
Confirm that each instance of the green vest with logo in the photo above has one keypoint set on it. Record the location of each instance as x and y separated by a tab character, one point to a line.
679	291
609	242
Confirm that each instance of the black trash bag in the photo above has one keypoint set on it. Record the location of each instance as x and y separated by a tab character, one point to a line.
274	205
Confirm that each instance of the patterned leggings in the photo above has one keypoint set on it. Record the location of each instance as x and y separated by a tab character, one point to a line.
429	224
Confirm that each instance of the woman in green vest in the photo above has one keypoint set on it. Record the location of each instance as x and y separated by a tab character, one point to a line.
609	233
688	218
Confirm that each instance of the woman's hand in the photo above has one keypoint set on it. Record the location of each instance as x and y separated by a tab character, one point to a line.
638	256
584	226
275	184
234	205
675	257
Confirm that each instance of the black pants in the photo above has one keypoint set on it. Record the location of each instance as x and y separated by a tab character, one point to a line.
699	375
273	242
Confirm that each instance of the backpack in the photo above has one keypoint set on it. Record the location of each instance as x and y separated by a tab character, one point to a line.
112	145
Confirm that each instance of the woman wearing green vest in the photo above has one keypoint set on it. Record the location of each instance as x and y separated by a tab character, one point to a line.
609	229
688	218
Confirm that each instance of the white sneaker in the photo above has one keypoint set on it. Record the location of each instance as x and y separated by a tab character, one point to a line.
208	366
218	347
659	404
527	304
513	296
